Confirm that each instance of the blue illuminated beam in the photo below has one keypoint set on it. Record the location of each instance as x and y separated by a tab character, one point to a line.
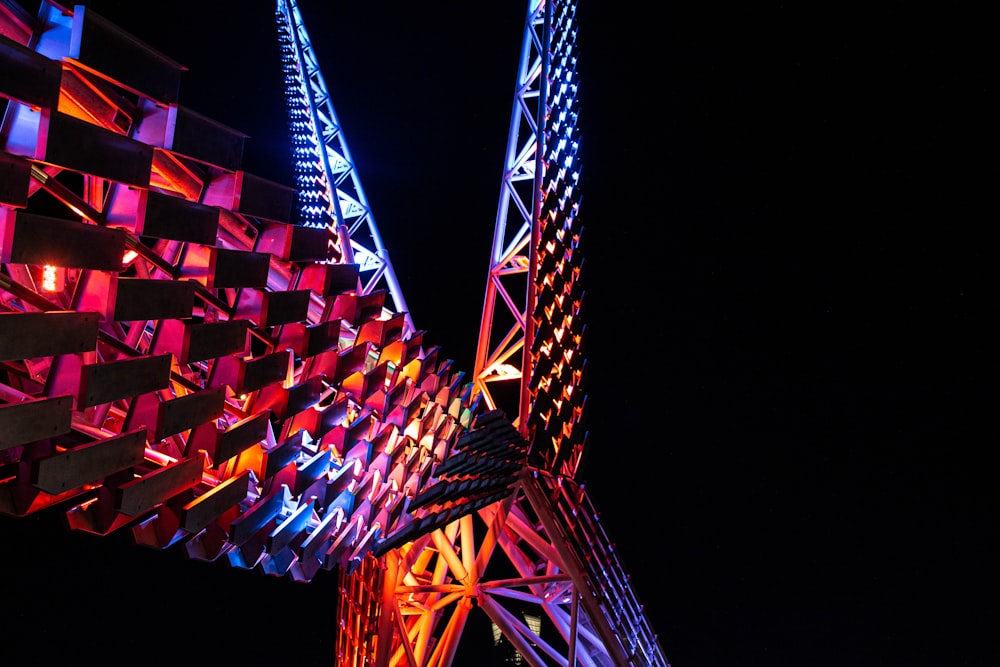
330	192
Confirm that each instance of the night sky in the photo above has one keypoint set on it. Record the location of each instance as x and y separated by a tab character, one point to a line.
790	358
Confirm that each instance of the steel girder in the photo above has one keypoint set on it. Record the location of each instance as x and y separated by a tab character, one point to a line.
557	563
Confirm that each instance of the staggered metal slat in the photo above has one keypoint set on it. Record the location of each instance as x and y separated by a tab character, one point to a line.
179	359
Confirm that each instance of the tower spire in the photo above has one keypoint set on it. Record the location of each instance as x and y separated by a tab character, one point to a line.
528	360
330	192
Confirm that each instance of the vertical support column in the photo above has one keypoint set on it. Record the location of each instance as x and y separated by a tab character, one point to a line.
390	577
527	359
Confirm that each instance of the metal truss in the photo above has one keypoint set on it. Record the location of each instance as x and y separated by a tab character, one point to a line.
531	332
546	539
324	166
500	359
180	361
559	564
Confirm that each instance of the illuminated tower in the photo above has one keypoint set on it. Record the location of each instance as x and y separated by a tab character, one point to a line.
531	328
329	188
542	547
184	362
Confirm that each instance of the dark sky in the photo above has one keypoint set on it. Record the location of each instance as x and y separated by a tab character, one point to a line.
787	275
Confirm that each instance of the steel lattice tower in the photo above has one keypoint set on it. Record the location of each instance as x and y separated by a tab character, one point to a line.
328	185
183	362
534	284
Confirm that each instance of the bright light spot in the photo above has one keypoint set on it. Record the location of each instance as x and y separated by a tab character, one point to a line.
50	278
129	256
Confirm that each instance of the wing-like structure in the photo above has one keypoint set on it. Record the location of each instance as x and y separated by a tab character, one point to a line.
181	361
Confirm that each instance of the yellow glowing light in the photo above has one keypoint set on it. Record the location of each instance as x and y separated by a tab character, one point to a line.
50	278
129	256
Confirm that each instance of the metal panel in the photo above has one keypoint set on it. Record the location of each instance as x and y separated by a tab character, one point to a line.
304	395
285	307
15	177
266	199
295	243
238	268
29	421
213	339
240	436
284	403
32	335
244	193
322	337
148	299
362	384
203	139
356	309
75	144
204	509
27	76
277	458
180	414
114	380
114	54
243	528
167	217
401	352
140	495
290	528
270	309
15	21
381	332
36	239
330	279
266	370
89	463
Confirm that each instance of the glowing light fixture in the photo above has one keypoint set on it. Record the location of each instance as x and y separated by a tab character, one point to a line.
52	278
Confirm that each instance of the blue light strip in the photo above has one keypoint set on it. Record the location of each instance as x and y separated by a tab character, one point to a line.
330	188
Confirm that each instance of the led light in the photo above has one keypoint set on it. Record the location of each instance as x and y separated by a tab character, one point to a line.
52	279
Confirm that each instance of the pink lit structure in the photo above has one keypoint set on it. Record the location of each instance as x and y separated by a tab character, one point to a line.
181	361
